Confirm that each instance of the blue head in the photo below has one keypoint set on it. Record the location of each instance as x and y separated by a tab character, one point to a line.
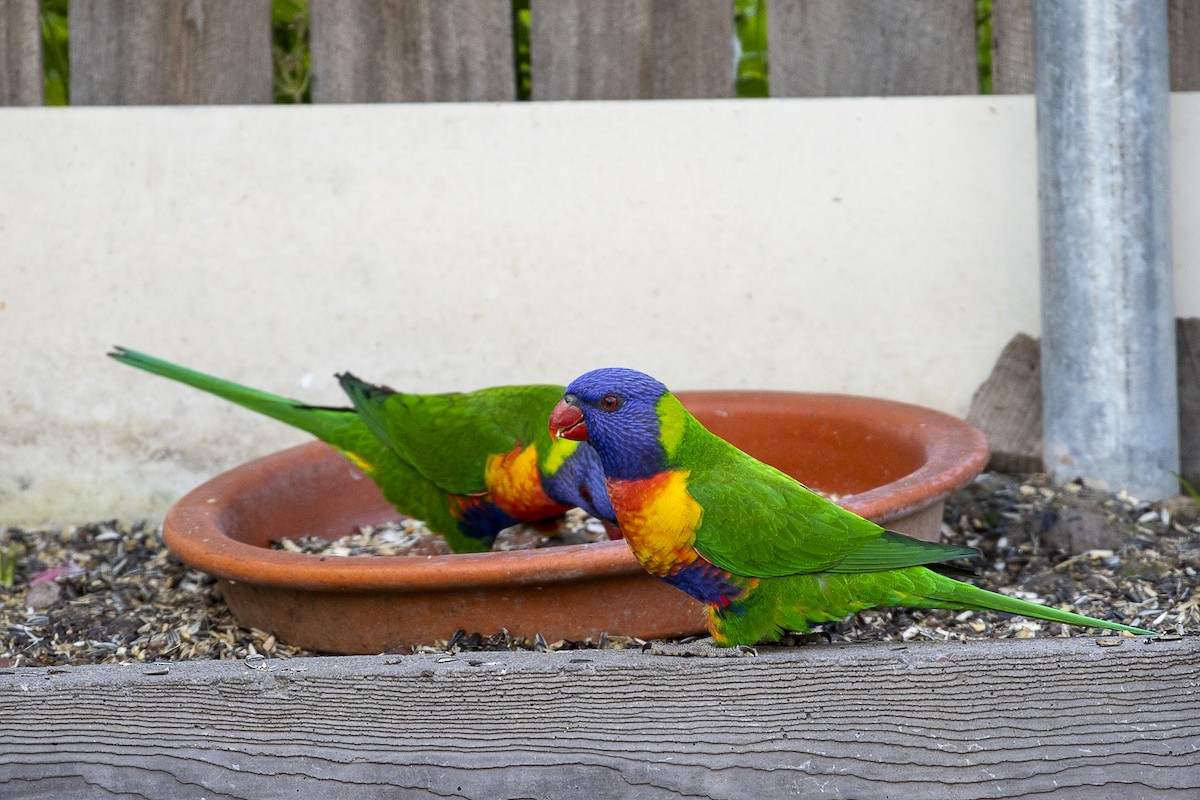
616	410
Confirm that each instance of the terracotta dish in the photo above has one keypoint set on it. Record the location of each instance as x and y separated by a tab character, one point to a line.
891	462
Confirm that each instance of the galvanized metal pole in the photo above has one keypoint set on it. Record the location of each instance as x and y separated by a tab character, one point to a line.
1108	327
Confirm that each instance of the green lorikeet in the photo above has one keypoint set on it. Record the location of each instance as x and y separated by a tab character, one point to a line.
765	554
468	464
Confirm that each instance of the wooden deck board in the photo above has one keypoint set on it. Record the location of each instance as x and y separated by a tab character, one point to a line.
920	720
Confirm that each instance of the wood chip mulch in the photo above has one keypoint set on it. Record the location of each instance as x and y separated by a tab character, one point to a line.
110	592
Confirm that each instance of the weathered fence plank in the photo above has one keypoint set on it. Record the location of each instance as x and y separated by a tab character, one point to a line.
1184	26
1008	407
1012	46
631	49
125	52
366	51
21	81
1187	349
843	48
1010	718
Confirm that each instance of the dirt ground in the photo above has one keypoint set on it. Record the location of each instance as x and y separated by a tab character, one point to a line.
110	591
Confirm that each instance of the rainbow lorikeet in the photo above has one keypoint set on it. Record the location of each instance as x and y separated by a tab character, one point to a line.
468	464
765	554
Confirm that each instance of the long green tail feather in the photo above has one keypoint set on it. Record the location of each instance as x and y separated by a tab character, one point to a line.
400	483
898	551
796	602
319	421
933	589
966	596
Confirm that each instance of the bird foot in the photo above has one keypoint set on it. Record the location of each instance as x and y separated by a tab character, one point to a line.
698	648
814	637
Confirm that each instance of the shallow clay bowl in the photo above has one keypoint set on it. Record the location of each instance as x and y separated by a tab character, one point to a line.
890	462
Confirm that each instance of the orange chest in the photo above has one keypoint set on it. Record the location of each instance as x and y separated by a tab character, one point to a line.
658	518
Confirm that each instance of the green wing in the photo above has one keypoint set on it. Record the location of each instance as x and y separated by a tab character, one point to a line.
448	438
760	522
894	550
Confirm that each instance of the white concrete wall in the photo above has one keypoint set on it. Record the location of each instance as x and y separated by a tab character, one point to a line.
875	246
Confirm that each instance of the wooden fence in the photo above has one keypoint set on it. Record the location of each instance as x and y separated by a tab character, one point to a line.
219	51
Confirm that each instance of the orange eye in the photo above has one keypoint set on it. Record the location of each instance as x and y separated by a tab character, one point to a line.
610	402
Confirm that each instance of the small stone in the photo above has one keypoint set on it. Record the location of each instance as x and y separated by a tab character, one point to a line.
42	595
1080	530
1128	499
429	546
1183	510
518	537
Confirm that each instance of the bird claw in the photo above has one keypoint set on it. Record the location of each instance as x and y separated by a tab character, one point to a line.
815	637
699	648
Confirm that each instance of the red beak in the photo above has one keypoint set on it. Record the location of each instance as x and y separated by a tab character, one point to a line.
566	422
